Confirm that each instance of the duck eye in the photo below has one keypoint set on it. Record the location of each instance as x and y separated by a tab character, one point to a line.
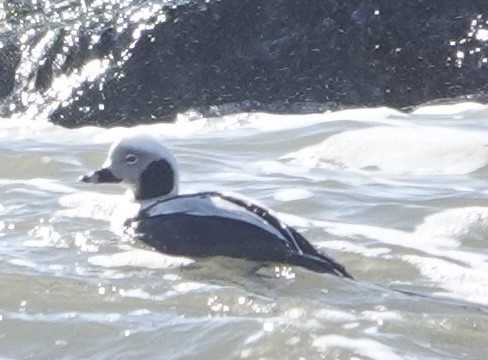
131	159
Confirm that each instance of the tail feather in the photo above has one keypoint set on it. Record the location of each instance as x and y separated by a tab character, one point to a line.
320	263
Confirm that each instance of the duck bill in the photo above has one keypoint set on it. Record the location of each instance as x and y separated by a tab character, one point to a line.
100	176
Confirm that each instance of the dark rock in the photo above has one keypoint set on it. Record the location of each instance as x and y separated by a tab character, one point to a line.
78	53
105	44
44	75
9	60
287	56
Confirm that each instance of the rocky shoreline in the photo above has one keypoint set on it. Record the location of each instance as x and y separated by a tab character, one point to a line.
281	56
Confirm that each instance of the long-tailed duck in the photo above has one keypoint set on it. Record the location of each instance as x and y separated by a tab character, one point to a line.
203	224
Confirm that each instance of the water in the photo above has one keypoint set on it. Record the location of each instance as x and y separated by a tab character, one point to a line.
400	199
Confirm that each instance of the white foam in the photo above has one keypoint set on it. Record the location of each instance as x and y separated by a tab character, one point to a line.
460	282
292	194
334	315
40	184
452	226
415	150
268	122
449	109
85	204
140	258
23	263
49	185
43	236
440	234
381	115
268	167
366	347
439	239
262	122
137	294
19	129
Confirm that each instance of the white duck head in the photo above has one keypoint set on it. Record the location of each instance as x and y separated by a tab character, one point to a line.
143	163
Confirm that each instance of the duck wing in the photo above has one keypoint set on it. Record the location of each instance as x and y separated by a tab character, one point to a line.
219	224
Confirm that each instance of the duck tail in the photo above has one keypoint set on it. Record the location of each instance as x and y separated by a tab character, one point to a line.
320	263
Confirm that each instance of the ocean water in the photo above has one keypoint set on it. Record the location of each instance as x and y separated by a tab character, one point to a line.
400	199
